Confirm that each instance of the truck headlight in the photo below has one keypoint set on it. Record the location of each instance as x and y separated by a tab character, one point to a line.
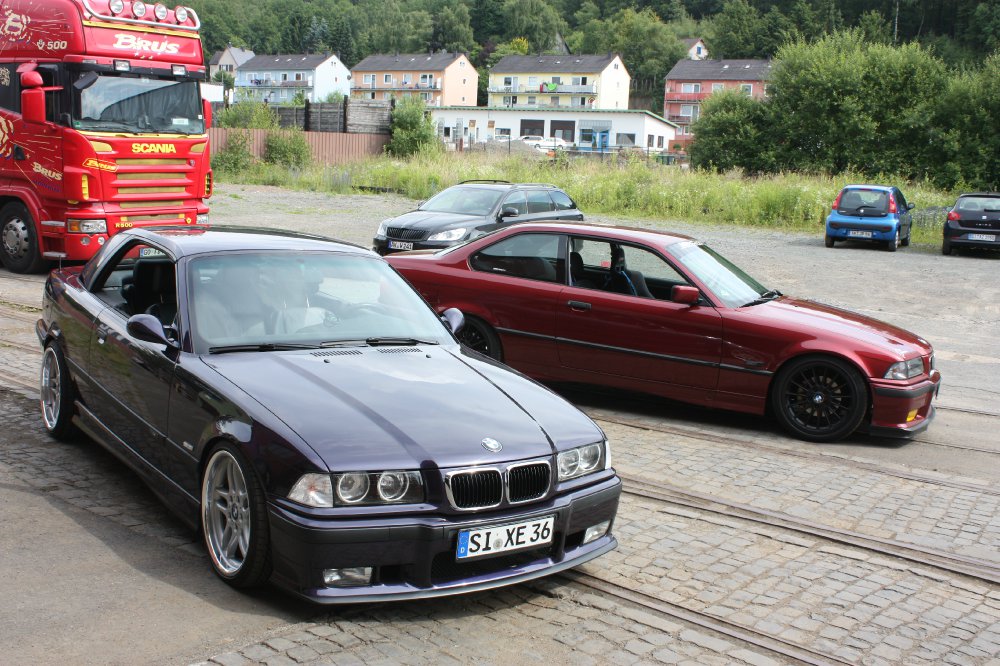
87	226
905	369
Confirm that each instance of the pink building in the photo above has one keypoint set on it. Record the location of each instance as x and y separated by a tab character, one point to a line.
691	81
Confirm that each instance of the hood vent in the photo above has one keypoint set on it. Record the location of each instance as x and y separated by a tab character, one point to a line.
338	352
399	350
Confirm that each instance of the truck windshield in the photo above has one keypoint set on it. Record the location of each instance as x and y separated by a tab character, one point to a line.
138	104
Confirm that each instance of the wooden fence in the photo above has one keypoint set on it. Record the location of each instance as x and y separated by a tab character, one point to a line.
327	147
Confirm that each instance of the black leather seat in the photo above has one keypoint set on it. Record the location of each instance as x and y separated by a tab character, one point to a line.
153	290
576	272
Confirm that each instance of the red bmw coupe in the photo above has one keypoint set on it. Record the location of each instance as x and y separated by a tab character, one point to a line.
664	314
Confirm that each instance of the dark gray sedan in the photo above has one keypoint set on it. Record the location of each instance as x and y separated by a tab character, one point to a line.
294	399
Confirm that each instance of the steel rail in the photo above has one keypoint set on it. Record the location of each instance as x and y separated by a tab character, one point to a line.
956	563
738	632
719	438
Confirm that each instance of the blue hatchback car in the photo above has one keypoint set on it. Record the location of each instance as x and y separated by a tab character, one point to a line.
870	212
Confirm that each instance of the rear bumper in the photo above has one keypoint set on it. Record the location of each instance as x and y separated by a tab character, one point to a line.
854	228
903	411
414	558
980	238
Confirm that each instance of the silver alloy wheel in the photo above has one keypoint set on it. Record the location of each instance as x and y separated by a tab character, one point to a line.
51	388
226	519
15	238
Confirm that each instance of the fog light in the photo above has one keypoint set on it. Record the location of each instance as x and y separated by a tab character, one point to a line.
596	531
122	66
912	415
349	577
178	70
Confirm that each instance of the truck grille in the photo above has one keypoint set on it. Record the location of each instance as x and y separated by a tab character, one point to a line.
484	488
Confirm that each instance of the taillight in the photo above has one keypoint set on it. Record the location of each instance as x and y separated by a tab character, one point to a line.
953	216
836	202
892	203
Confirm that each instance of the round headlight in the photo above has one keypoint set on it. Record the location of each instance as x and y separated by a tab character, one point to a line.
138	8
352	487
569	463
589	457
160	11
392	486
116	6
181	14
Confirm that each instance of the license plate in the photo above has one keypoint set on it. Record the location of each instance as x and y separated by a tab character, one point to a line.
400	245
982	237
504	538
854	233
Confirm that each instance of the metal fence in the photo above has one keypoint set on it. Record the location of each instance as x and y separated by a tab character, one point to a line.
326	147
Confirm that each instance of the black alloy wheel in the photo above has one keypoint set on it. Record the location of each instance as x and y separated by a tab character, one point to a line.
819	399
19	240
234	519
479	336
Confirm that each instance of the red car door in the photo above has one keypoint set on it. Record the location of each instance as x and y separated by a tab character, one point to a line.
626	329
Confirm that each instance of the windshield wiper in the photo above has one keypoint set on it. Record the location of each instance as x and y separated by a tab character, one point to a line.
767	296
375	342
260	347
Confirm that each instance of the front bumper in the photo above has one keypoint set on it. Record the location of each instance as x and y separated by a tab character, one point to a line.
414	557
381	245
903	411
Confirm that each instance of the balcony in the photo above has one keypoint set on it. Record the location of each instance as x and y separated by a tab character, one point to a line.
398	85
544	89
685	97
542	105
682	120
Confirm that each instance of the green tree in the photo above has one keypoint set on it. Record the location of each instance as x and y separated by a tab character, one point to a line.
412	128
535	20
733	132
452	30
487	20
317	36
646	45
736	31
227	80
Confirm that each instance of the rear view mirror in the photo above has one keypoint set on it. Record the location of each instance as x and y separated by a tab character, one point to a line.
685	294
909	206
454	319
508	211
147	328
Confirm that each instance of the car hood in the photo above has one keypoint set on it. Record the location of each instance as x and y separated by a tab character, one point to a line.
406	407
805	315
432	221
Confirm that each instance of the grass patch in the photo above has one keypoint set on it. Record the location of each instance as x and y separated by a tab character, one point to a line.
626	185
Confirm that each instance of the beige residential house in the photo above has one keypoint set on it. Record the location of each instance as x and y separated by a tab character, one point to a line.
228	60
440	79
559	81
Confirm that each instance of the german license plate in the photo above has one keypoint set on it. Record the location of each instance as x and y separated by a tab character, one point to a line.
504	538
854	233
400	245
982	237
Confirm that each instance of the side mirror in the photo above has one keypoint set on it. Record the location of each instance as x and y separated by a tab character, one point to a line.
508	211
685	294
454	319
206	110
910	206
33	105
148	329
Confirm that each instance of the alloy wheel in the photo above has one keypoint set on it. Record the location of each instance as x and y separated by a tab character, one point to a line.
51	389
226	507
818	399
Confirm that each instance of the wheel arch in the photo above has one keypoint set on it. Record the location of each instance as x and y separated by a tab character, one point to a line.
820	354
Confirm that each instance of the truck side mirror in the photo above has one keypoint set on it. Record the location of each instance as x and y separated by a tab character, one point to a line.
33	105
206	110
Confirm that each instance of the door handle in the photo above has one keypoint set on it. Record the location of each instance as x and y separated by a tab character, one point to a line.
102	334
578	305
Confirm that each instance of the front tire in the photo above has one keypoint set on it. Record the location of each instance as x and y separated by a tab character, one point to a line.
19	240
479	336
819	399
57	396
234	519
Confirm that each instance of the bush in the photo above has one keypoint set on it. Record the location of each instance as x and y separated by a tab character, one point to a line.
287	148
412	128
248	115
236	155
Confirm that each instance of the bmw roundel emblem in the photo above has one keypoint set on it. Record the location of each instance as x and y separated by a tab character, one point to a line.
492	445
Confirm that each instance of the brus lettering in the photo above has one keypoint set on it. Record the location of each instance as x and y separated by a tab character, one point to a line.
154	148
48	173
134	43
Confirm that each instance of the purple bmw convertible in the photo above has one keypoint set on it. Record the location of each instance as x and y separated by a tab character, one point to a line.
294	399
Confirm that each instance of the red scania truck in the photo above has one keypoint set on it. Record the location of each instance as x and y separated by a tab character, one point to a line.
102	125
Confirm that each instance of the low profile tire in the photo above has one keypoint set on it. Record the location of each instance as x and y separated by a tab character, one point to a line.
479	336
946	247
819	399
830	241
19	240
234	519
57	396
892	245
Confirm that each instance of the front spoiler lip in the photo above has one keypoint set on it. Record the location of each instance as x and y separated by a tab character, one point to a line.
903	432
405	592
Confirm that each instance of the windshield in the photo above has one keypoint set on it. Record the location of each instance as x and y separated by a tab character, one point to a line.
309	299
464	200
137	104
730	284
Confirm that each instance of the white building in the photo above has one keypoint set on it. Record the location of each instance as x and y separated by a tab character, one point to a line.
277	79
587	129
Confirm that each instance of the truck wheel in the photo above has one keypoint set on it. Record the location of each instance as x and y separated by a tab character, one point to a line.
18	240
